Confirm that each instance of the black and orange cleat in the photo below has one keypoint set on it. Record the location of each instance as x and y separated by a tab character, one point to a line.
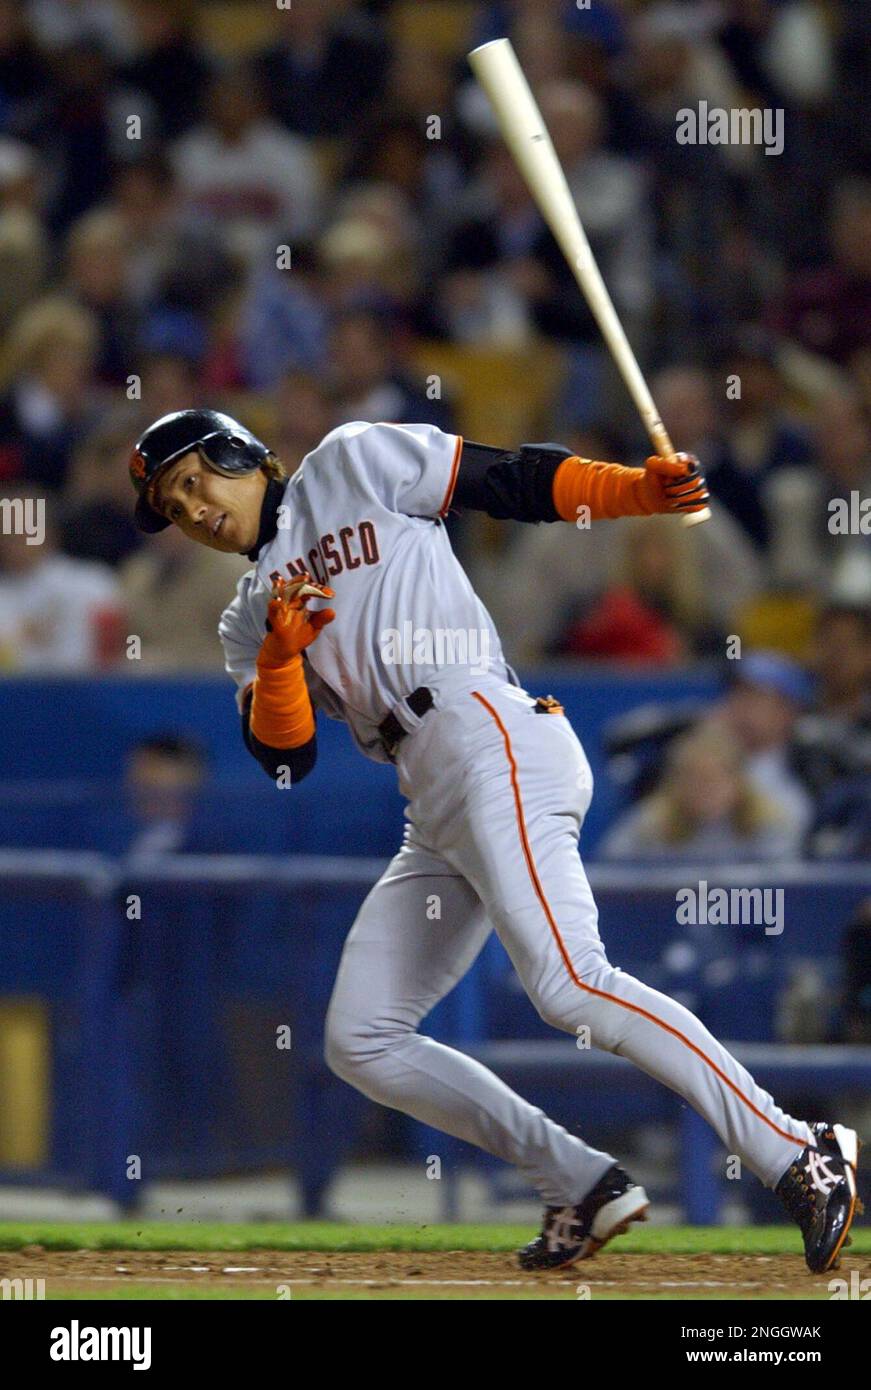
819	1192
576	1233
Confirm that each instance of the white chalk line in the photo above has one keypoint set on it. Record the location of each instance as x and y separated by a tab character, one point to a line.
388	1282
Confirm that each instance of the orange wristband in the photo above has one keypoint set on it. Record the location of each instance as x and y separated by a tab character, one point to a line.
608	489
281	712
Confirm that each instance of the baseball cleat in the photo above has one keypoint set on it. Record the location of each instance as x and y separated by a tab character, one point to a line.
576	1233
819	1192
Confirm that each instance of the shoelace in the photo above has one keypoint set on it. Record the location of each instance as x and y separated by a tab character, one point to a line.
554	1219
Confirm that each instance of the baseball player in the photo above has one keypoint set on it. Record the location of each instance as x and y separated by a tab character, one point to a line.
353	587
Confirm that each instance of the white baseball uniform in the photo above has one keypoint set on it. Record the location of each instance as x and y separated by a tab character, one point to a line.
497	792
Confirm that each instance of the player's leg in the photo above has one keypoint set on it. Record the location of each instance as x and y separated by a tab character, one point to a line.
517	842
400	959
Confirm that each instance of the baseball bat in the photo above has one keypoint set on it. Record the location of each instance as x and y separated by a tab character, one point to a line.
497	69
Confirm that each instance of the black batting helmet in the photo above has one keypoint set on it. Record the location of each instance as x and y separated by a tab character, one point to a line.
222	443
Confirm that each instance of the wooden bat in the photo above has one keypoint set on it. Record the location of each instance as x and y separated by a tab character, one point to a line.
496	67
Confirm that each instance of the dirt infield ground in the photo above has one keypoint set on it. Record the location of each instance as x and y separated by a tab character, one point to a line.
431	1274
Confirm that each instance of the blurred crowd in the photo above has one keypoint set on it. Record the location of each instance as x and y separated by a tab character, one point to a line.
305	215
778	768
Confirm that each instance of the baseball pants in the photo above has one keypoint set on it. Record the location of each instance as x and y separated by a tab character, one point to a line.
497	794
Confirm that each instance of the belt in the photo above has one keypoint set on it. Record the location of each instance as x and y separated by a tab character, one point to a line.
391	731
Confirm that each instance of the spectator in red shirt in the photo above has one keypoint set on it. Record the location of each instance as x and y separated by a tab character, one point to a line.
653	613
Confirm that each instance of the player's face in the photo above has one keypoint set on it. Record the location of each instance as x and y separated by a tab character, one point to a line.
222	513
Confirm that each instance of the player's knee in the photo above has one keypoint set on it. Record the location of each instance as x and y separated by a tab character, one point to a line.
555	1012
584	1006
350	1047
342	1050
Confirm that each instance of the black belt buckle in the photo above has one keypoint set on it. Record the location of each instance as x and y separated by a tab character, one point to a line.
392	732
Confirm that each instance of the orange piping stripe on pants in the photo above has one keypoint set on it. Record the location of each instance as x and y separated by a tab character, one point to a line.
589	989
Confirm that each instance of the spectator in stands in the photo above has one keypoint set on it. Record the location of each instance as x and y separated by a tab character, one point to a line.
369	255
843	440
144	198
842	663
856	962
325	69
95	521
842	826
98	271
81	130
828	309
302	417
673	65
25	76
502	234
685	396
395	156
163	780
174	597
57	613
779	53
763	436
420	84
168	68
24	246
814	541
835	737
58	24
767	694
834	741
170	265
169	379
367	380
539	36
554	39
654	611
48	390
242	175
479	299
690	410
613	198
707	810
781	56
283	320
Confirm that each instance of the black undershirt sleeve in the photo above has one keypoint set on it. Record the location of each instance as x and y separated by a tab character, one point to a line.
299	761
509	484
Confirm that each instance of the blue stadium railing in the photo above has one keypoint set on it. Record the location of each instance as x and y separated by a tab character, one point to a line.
168	988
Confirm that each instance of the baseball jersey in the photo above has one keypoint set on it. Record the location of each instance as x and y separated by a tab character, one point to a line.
364	514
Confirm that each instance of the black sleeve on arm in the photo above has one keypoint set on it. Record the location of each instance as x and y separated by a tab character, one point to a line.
510	485
299	761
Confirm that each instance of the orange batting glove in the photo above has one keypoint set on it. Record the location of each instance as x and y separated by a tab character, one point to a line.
290	627
281	714
675	484
610	490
